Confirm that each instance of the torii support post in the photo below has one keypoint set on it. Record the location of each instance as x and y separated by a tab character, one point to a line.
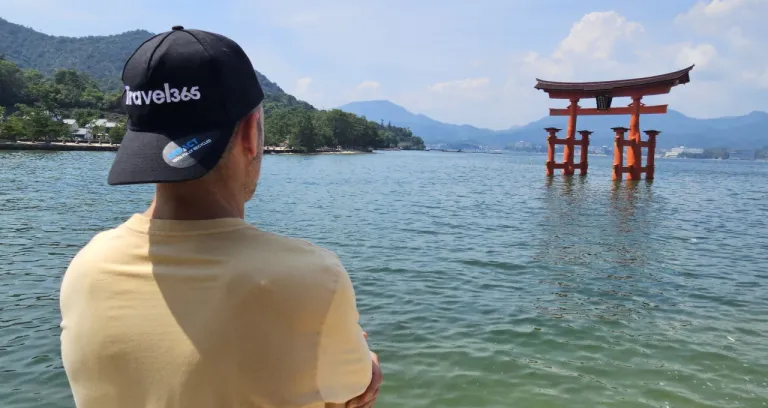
618	152
651	144
634	149
551	139
570	138
584	151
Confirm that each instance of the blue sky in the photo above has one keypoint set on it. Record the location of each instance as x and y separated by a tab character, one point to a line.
460	61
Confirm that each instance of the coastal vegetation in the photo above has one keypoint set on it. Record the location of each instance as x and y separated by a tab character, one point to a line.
45	79
33	107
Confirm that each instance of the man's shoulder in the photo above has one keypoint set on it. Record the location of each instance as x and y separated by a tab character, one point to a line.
96	245
254	238
294	257
297	277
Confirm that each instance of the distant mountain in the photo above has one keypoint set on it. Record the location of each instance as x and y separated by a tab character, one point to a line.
747	131
430	130
102	57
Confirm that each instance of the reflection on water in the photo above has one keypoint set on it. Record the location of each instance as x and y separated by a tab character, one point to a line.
601	242
482	282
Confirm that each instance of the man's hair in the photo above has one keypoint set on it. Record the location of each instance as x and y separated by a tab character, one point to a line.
259	128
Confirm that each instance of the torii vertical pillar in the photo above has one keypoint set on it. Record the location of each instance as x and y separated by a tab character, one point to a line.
570	138
651	144
584	151
551	139
634	151
618	152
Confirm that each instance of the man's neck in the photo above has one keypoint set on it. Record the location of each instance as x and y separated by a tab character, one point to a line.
170	204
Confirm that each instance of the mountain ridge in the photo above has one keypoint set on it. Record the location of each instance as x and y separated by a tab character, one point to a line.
741	131
102	57
100	61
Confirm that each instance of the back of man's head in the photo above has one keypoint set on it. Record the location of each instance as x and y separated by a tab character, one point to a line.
194	105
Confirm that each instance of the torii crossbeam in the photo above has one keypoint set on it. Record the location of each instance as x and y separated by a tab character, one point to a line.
604	92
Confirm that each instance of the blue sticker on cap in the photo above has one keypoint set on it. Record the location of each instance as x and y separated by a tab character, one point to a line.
180	155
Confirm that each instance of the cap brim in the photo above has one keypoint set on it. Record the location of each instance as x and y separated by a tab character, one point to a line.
146	157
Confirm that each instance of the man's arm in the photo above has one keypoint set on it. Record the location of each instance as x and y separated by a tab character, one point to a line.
344	367
368	398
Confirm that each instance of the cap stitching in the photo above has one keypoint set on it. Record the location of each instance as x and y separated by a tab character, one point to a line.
151	56
122	77
214	61
207	51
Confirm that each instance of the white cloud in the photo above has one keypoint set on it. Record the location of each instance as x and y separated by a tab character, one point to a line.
303	90
730	67
461	85
740	25
735	19
721	9
368	85
302	85
596	35
758	77
701	55
366	90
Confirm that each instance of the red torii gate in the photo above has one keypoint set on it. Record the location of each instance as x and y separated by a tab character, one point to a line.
604	92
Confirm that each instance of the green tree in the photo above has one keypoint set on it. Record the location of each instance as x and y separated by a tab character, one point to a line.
14	127
84	116
303	136
2	121
68	93
323	129
12	84
38	123
341	127
278	126
116	133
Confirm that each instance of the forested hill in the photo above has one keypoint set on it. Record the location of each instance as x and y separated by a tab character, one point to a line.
276	97
75	68
101	57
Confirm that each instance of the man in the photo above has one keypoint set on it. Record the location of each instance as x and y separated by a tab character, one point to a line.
187	305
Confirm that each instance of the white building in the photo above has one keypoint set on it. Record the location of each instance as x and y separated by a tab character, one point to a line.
86	133
677	151
741	154
103	128
82	134
72	124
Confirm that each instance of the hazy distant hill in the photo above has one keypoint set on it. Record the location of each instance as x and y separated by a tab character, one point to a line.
433	131
746	131
102	57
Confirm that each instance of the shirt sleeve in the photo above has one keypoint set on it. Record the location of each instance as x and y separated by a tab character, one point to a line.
344	360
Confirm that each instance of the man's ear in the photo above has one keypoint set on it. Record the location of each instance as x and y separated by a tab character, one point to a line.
248	134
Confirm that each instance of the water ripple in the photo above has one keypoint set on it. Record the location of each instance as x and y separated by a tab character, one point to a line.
481	283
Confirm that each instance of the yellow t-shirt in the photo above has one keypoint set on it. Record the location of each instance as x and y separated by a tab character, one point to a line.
213	313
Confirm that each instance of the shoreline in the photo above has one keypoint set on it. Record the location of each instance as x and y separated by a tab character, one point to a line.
57	146
95	147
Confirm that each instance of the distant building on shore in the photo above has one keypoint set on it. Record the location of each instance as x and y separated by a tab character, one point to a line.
682	150
741	154
86	133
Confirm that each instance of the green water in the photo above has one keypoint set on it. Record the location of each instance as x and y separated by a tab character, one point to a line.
481	283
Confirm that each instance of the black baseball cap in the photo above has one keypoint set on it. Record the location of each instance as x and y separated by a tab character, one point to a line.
185	91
